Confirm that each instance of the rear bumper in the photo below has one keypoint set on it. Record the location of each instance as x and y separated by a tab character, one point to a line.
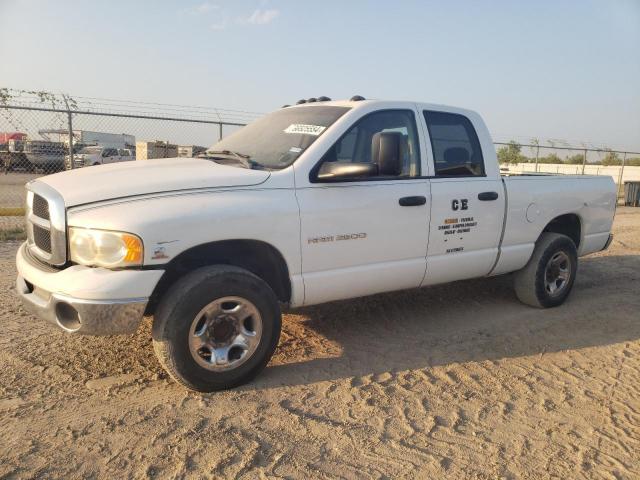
91	301
609	240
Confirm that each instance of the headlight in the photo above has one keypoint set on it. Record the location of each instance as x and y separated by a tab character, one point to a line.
103	248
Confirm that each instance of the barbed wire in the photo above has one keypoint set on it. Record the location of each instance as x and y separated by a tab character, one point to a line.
196	107
15	97
31	98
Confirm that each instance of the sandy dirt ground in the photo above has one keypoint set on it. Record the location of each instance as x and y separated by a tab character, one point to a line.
454	381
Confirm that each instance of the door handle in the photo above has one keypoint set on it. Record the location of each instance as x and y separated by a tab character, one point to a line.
412	201
484	196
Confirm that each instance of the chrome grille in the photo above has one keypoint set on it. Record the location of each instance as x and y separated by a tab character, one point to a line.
42	238
40	207
46	224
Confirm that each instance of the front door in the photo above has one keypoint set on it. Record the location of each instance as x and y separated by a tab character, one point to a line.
367	235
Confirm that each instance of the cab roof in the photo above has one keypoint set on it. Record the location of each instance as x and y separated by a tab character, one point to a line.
357	104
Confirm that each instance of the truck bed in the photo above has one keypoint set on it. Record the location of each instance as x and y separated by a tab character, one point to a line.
533	200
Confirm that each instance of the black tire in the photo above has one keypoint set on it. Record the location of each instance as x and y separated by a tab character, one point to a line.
531	283
180	306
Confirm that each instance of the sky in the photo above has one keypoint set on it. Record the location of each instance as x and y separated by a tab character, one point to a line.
546	69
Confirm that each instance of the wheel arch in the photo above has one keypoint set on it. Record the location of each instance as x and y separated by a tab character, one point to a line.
260	258
569	224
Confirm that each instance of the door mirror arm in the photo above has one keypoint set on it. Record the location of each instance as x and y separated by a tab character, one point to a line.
341	171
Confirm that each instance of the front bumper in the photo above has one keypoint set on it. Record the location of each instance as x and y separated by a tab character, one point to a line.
609	240
90	301
89	317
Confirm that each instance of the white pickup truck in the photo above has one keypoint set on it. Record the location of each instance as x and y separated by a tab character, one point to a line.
316	202
99	155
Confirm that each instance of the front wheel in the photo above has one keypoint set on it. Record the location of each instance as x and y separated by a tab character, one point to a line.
548	277
216	328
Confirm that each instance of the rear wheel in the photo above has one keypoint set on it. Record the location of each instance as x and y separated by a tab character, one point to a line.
216	328
548	277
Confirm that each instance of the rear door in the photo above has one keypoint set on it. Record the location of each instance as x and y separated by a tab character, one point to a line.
467	205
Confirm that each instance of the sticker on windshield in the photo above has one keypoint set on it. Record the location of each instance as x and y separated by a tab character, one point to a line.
302	129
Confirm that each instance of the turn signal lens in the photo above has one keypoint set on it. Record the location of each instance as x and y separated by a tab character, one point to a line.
133	246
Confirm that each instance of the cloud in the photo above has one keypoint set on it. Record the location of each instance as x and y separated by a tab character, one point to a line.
263	17
219	25
202	8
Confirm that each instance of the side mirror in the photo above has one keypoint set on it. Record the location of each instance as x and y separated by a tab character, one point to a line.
336	171
385	153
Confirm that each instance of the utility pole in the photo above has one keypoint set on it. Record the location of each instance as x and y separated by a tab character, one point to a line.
620	178
70	128
584	160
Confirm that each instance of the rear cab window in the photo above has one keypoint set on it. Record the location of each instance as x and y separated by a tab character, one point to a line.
455	145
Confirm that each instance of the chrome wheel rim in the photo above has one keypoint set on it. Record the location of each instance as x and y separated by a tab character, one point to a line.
225	333
557	273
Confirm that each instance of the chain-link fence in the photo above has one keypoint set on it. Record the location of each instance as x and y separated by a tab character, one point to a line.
560	158
36	128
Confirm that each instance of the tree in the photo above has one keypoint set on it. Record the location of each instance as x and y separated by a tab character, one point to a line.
576	159
551	158
511	153
611	158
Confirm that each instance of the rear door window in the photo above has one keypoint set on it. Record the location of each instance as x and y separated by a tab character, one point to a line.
455	145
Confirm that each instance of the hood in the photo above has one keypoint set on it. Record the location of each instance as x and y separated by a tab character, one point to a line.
143	177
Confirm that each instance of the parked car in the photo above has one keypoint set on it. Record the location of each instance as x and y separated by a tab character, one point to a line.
45	155
99	155
312	203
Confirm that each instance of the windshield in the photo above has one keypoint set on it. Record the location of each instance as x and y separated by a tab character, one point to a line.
276	140
90	150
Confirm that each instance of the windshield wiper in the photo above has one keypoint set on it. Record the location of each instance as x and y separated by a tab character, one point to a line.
244	160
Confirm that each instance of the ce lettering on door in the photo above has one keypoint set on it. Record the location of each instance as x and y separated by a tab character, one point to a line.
462	204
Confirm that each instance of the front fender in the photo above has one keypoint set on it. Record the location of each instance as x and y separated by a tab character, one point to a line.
172	224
